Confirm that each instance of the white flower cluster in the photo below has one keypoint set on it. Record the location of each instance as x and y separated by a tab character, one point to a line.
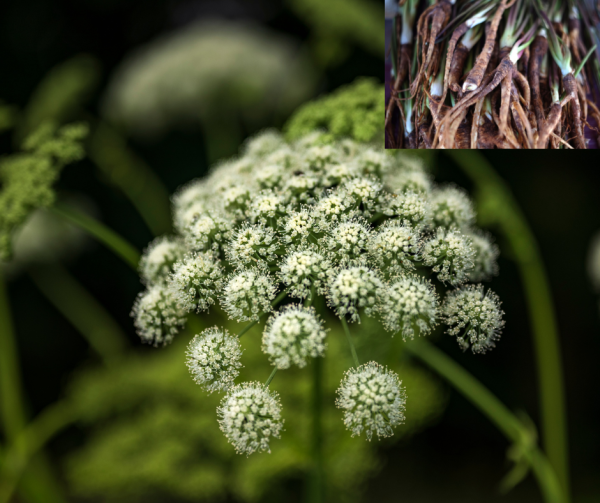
474	317
292	335
252	71
249	415
214	359
368	232
373	400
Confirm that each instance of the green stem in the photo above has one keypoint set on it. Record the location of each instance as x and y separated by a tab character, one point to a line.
317	489
29	441
498	206
349	337
130	173
102	233
268	380
12	407
82	310
495	410
276	301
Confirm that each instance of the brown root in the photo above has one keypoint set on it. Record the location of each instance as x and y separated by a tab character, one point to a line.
475	76
570	86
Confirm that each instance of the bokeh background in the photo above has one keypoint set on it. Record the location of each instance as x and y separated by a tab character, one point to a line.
453	455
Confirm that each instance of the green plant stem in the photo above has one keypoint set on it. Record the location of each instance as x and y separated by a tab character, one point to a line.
269	379
12	408
316	492
496	411
349	337
125	169
82	310
275	302
317	489
102	233
497	206
29	441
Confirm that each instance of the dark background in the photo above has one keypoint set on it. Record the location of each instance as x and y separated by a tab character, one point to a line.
462	458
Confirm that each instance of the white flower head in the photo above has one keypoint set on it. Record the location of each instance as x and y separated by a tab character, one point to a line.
252	245
318	157
298	226
410	306
474	317
353	289
158	259
269	176
292	335
195	194
267	208
409	206
157	315
394	247
348	241
249	415
486	256
236	199
305	270
196	280
213	358
263	143
413	178
374	162
364	193
208	231
332	209
373	400
299	188
248	294
451	207
450	254
335	174
186	215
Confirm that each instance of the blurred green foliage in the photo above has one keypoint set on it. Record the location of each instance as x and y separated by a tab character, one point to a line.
154	432
8	116
338	23
354	111
61	95
26	177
